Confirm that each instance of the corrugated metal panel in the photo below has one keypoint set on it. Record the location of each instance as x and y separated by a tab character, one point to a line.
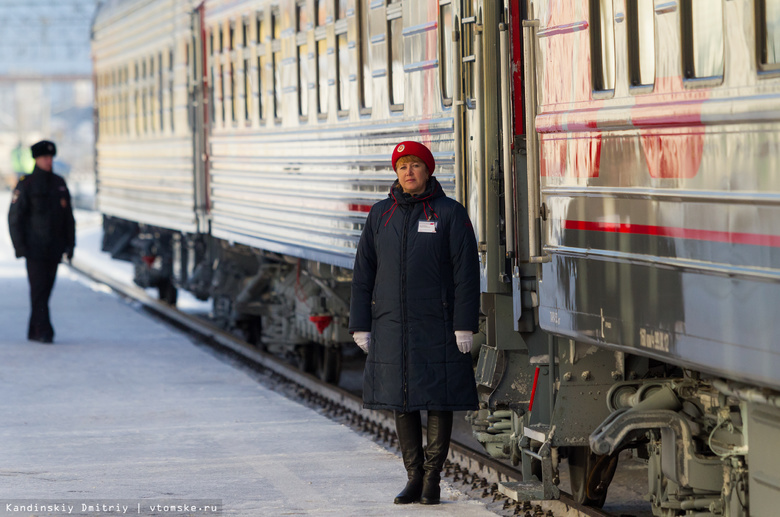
148	182
144	156
302	195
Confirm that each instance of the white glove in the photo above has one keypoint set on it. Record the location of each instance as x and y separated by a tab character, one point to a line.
362	339
464	338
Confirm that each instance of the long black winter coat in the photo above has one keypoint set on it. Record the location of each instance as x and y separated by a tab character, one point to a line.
412	289
41	217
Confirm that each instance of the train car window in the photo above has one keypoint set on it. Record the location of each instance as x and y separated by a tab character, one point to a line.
322	76
153	95
247	91
768	34
364	77
395	27
641	42
119	103
232	74
120	99
106	108
303	62
108	100
467	48
123	101
150	95
445	51
321	12
602	34
102	104
127	99
276	64
247	67
343	66
171	110
160	93
702	38
341	9
136	100
143	97
105	103
247	71
189	55
117	98
114	98
99	102
321	60
221	76
262	59
210	69
116	102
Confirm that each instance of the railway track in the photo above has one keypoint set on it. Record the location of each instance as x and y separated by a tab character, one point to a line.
471	471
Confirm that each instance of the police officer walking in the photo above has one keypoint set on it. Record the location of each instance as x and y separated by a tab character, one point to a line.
42	230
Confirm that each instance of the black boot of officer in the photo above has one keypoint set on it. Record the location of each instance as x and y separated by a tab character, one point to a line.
439	432
41	275
408	427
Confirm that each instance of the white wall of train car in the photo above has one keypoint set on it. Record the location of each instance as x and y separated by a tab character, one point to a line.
144	143
298	176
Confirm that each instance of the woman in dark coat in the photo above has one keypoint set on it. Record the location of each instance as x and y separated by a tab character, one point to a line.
415	307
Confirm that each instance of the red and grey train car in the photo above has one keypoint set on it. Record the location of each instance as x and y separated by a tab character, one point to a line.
618	159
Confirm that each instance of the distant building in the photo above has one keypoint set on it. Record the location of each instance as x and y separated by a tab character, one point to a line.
46	85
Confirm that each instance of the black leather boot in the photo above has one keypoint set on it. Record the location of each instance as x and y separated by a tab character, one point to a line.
408	427
439	432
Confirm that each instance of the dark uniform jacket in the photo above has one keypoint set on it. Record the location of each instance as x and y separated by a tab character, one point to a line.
41	218
412	288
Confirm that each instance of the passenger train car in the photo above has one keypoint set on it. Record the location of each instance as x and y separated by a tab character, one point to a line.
618	159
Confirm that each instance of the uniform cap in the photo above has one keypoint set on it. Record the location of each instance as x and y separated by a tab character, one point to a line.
43	148
410	148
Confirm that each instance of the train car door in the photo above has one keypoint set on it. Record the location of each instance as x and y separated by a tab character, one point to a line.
198	104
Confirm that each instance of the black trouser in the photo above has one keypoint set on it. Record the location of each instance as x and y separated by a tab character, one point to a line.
40	275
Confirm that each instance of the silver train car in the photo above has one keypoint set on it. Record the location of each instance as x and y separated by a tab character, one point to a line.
618	159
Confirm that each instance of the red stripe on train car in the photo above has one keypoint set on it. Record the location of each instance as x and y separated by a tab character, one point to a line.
352	207
756	239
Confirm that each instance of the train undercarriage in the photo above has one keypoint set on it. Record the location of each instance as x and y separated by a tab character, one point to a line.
691	431
290	307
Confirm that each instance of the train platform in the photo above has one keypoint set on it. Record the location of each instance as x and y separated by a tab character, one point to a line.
125	415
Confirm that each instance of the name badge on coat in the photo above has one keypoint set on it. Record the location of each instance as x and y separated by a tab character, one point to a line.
426	227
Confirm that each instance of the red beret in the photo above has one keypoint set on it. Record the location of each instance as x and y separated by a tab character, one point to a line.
417	149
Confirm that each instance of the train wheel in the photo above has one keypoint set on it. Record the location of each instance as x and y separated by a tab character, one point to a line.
167	292
590	476
329	364
306	356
